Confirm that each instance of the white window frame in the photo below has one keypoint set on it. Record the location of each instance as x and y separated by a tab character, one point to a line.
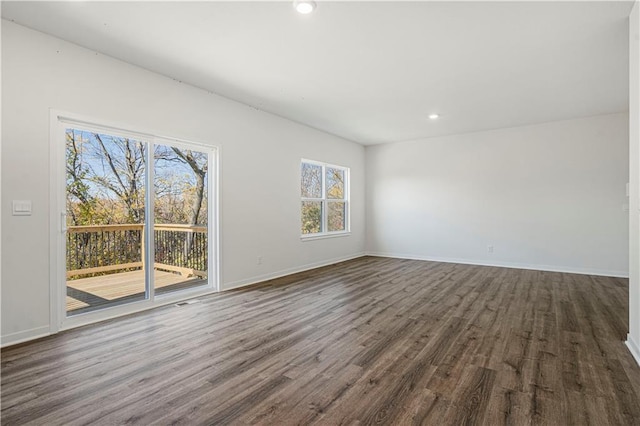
59	121
325	201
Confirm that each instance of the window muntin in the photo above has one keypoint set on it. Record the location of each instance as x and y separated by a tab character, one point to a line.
324	190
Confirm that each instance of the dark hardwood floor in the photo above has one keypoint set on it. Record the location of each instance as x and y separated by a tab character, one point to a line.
369	341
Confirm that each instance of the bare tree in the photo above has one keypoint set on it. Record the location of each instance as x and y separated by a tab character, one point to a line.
126	179
81	205
198	163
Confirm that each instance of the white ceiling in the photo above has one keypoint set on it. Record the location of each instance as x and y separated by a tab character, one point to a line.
370	71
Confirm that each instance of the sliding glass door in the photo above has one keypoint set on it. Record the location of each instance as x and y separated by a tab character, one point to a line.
105	207
137	218
180	218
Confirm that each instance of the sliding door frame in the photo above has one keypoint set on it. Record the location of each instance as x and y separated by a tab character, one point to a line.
59	122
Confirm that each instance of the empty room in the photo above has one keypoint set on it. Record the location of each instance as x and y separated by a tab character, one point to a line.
330	212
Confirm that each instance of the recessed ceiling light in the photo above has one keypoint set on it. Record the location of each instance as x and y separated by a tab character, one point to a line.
433	116
304	6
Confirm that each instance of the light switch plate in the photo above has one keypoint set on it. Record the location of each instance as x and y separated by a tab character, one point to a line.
21	208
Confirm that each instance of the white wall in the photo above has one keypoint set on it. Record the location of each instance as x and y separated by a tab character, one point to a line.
260	160
548	196
633	339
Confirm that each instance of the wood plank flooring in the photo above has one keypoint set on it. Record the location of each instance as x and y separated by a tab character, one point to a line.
369	341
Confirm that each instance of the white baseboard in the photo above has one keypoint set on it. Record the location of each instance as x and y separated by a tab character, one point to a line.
548	268
633	348
24	336
36	333
285	272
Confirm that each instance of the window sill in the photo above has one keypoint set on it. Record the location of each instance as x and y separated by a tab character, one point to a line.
313	237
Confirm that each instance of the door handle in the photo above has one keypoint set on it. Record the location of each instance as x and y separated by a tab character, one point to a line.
63	222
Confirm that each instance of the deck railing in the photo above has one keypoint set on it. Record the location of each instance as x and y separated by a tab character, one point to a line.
103	249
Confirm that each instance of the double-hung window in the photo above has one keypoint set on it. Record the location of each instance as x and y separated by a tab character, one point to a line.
324	199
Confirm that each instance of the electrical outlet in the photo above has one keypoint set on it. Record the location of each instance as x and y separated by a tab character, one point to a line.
259	262
490	249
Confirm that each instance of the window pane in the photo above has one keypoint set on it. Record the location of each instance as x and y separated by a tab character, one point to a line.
336	216
105	190
335	183
311	181
181	227
311	217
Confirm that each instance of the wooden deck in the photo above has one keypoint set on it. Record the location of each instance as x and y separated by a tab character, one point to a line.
89	293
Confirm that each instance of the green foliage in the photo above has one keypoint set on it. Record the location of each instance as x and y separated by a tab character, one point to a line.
311	217
106	181
105	185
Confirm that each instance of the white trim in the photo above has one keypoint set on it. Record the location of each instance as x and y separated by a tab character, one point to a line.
282	273
547	268
56	209
633	348
311	237
323	163
1	205
124	130
149	217
25	336
213	219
